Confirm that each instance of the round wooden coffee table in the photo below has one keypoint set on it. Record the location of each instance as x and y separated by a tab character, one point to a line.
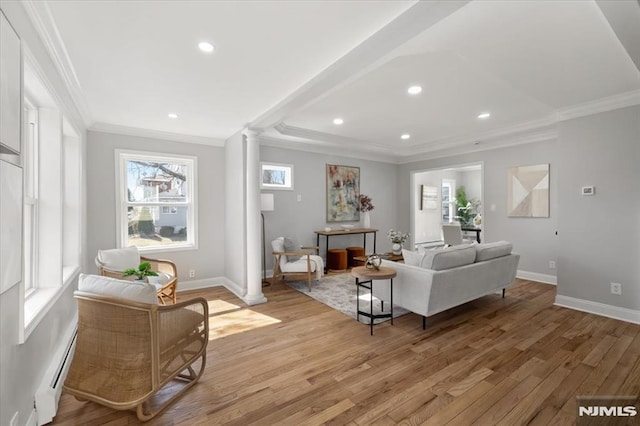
366	276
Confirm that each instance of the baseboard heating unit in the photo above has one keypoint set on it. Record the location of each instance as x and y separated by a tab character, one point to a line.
49	391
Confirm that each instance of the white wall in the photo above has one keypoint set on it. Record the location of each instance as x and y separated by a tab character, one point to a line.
533	238
298	219
600	235
22	365
472	182
208	259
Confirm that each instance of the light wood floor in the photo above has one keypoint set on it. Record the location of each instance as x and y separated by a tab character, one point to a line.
295	361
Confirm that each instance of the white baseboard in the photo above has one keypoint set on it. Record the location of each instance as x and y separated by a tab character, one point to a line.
198	284
535	276
610	311
212	282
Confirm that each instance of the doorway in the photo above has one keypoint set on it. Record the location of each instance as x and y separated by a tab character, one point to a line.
434	202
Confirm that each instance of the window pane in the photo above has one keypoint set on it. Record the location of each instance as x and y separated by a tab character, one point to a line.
150	181
157	226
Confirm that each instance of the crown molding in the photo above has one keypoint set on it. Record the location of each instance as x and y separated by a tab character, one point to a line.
45	25
519	134
315	135
155	134
325	148
521	130
505	142
610	103
527	132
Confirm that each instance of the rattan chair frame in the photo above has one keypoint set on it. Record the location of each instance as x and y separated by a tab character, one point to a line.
138	356
166	293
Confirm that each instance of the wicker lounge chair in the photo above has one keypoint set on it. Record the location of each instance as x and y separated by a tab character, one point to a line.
132	353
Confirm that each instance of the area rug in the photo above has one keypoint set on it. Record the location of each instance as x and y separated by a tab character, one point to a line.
339	292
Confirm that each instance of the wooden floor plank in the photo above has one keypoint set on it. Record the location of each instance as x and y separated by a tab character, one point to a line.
296	361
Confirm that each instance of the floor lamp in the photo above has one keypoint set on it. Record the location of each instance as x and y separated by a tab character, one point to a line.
266	205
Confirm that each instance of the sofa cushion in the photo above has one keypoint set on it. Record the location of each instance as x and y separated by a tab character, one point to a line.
487	251
106	286
449	257
412	258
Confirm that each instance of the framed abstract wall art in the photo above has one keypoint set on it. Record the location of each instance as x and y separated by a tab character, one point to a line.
528	191
428	197
343	190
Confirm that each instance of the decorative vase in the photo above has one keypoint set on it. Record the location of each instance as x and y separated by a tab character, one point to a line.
396	248
367	220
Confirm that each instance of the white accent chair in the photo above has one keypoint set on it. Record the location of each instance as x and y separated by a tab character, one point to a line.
298	262
452	234
112	263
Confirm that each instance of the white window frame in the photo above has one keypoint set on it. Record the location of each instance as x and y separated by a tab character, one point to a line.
30	198
39	295
452	192
122	202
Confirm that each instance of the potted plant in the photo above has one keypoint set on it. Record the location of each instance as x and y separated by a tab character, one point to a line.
141	272
467	209
397	238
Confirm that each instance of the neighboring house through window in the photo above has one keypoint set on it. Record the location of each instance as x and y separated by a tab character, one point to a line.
156	201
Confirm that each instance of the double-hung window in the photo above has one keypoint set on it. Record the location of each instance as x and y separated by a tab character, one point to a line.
156	208
448	200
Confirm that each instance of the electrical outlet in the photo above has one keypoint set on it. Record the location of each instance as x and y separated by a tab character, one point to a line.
616	288
552	264
192	273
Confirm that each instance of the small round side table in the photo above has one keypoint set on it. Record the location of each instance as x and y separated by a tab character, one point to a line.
366	276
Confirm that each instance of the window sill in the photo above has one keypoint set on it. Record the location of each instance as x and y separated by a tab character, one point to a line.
167	249
40	301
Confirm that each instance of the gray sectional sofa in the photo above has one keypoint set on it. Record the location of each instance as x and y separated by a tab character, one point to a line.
437	280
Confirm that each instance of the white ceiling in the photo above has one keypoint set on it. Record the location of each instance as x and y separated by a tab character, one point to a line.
291	67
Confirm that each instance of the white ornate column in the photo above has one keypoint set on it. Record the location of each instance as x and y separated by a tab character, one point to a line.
254	294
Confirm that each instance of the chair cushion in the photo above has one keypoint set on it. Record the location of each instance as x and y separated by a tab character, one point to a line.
291	246
160	281
106	286
299	265
487	251
119	259
278	246
449	257
413	258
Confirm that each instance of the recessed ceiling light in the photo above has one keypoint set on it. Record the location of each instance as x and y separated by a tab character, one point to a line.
205	46
338	121
414	90
405	136
484	115
172	115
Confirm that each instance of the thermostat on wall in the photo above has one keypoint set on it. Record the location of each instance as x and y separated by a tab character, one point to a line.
588	190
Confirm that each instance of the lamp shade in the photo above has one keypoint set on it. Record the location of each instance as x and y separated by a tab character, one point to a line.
266	202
